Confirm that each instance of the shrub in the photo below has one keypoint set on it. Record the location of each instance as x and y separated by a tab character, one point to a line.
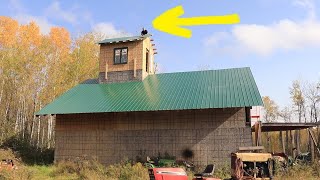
303	171
223	172
29	154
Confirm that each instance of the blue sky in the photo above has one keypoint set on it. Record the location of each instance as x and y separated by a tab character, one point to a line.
278	39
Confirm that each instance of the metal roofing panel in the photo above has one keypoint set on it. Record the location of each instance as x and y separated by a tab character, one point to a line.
124	39
170	91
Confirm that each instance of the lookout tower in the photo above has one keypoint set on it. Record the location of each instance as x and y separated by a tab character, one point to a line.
126	59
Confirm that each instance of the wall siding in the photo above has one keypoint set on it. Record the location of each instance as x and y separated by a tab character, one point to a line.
212	134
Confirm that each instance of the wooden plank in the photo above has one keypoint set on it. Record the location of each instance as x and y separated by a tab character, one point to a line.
254	157
251	148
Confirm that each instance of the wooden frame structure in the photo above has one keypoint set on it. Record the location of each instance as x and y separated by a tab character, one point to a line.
290	129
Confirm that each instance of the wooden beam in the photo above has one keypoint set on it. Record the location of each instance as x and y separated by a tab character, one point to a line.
282	142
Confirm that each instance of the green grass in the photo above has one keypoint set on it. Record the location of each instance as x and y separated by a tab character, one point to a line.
91	169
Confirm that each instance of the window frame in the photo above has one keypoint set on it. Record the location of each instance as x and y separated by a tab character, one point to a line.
114	55
248	116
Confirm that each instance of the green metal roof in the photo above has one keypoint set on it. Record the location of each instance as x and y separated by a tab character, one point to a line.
170	91
124	39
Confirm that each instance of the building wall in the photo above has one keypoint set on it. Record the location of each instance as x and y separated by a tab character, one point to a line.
136	52
211	134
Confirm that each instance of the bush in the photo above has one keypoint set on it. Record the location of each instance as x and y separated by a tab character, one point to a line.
301	172
29	154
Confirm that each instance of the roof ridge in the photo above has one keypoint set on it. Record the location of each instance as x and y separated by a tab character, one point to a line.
202	70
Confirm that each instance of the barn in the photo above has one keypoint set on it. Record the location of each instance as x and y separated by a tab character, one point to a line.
129	112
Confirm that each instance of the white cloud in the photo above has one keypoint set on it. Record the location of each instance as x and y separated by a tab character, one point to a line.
108	30
308	5
23	17
42	22
55	11
266	39
70	15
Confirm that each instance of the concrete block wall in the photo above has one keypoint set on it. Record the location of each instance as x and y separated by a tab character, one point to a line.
211	134
121	76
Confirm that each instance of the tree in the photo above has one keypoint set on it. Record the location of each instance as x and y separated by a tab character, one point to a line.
297	98
270	109
34	70
285	114
313	98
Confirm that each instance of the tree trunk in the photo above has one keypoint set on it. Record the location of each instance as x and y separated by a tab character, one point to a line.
38	138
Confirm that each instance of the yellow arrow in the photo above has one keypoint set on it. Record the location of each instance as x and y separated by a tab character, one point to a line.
170	21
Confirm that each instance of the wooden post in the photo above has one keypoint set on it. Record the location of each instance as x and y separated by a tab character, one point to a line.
259	134
282	142
106	73
292	134
287	142
268	142
311	144
134	68
298	141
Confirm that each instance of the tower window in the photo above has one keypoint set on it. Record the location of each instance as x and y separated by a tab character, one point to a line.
120	55
147	60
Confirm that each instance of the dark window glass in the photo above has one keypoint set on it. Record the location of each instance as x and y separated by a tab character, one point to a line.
248	116
120	55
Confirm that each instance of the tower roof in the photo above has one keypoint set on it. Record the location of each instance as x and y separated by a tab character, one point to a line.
124	39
